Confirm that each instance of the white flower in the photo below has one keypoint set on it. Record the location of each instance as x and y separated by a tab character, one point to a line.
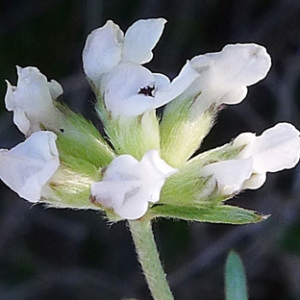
278	148
27	167
107	46
130	89
112	62
32	101
224	76
128	185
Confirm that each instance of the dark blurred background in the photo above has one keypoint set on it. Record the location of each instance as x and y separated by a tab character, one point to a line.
63	254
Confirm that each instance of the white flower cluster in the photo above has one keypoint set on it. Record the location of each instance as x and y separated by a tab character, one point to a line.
113	63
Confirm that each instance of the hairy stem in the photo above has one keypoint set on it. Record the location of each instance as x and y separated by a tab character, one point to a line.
145	245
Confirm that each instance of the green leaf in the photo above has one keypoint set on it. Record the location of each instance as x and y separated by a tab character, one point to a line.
217	214
235	278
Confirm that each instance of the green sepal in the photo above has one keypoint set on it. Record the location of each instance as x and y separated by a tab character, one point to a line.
83	152
80	141
235	278
131	135
69	188
188	187
225	214
182	130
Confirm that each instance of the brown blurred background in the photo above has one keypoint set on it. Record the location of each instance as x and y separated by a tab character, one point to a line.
62	254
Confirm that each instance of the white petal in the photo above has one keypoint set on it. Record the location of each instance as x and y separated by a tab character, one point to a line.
32	101
130	89
155	171
229	175
27	167
244	140
122	87
177	87
102	51
55	89
235	65
122	168
234	96
124	197
224	76
161	81
141	38
105	192
133	209
128	185
276	149
255	181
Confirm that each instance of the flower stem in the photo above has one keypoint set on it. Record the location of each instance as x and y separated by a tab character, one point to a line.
143	238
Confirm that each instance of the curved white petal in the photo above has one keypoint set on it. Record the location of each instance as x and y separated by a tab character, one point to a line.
155	171
55	89
229	175
134	208
141	38
32	101
115	201
102	51
276	149
123	89
224	76
244	140
122	168
178	85
255	181
161	81
130	89
234	96
235	65
128	185
27	167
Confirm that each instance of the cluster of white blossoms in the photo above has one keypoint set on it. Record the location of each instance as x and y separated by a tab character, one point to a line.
146	169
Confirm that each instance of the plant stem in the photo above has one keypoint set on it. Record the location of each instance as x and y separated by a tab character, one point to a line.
145	245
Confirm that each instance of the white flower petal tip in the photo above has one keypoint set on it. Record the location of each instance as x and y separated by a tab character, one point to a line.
141	38
107	46
131	90
224	76
277	148
129	185
102	50
27	167
255	181
32	101
246	63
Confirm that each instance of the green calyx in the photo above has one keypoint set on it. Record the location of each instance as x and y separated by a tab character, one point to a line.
83	153
182	131
130	135
80	140
188	187
69	188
